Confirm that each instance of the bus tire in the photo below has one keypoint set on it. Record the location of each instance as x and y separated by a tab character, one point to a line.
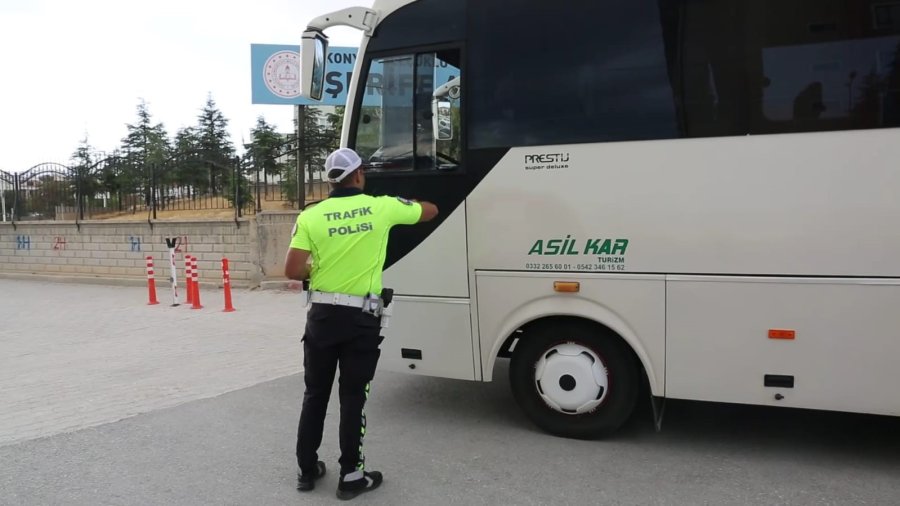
574	380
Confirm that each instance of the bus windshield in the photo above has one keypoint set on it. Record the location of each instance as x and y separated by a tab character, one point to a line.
410	115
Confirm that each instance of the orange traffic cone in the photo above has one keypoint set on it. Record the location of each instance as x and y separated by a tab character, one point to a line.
195	283
188	282
226	281
151	283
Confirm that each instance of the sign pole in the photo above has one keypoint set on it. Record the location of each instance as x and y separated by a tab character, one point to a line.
301	155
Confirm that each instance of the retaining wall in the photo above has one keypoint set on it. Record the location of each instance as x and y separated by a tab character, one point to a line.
255	248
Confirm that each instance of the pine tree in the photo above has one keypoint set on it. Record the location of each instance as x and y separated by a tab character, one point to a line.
146	143
215	144
83	155
146	148
111	178
190	171
319	138
85	183
265	149
336	121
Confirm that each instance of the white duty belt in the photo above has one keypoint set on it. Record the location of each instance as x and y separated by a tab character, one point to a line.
336	299
343	299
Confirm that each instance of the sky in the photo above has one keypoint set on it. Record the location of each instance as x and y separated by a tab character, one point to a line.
74	69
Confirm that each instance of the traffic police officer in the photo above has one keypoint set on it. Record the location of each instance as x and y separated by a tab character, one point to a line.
346	236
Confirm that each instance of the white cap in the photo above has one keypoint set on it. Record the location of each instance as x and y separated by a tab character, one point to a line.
341	163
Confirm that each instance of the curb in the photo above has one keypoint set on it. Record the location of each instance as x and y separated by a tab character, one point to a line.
282	284
96	280
71	278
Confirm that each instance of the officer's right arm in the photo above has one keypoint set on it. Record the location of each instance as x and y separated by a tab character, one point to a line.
401	211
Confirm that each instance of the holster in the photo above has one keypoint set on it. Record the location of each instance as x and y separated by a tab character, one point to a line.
387	295
306	292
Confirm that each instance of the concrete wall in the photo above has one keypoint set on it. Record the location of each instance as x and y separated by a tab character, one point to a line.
273	235
254	246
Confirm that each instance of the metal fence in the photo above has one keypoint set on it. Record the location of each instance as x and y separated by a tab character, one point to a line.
291	173
288	188
116	187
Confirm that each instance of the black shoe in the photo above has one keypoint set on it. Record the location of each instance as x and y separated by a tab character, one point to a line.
350	489
307	481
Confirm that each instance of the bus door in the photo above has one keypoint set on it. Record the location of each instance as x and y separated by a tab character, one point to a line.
406	126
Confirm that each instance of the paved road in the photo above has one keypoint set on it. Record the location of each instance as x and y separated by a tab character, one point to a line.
77	355
438	441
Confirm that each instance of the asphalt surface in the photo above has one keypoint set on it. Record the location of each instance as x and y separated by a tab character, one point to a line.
437	441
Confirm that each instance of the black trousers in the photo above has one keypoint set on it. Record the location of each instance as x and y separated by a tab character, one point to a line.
344	337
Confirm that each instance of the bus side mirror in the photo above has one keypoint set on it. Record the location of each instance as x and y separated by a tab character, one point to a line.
442	120
313	49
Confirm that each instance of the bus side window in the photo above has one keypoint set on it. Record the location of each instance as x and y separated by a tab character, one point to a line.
751	67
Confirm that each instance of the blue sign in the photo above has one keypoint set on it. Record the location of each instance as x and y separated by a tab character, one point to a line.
276	76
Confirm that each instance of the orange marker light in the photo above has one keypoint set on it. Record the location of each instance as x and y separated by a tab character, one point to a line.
781	334
566	286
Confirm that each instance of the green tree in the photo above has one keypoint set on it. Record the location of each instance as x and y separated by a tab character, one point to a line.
265	149
336	121
146	142
266	157
190	171
215	144
320	136
146	148
83	155
85	183
113	178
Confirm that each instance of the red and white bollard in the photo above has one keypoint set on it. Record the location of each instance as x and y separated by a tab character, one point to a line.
188	282
226	282
195	283
151	282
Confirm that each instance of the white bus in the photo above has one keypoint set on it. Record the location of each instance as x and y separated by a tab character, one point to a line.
700	197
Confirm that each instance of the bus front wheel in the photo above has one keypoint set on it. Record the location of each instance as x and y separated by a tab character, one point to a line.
572	379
